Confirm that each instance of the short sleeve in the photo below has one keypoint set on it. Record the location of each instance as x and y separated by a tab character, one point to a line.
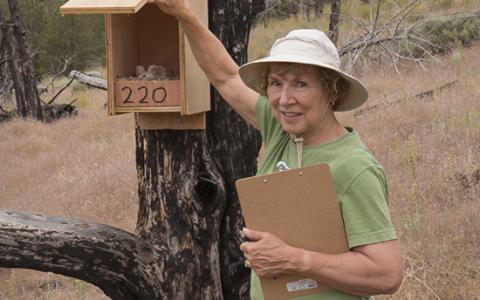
268	125
365	209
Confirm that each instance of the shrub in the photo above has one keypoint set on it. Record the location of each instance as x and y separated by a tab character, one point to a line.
447	31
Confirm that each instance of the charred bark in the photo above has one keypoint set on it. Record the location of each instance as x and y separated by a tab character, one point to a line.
233	144
121	264
186	181
32	98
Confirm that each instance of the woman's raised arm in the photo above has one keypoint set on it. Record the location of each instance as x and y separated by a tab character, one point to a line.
220	69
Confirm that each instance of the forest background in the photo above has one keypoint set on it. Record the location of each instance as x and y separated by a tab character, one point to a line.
421	122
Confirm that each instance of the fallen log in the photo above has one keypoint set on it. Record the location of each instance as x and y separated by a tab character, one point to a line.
92	81
53	112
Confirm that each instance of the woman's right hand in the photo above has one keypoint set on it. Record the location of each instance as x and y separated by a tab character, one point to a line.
176	8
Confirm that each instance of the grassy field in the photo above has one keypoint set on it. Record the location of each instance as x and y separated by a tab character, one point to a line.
430	148
84	168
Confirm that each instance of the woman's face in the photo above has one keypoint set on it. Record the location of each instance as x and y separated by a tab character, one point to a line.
298	99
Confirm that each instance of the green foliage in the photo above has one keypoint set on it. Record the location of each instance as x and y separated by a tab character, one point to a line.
447	31
55	37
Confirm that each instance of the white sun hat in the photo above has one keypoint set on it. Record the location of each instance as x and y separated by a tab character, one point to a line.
310	47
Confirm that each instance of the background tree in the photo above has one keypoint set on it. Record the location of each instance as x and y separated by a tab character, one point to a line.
334	25
25	57
9	52
57	44
187	238
55	37
21	64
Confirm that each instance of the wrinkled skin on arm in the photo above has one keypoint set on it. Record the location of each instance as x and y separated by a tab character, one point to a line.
220	69
365	270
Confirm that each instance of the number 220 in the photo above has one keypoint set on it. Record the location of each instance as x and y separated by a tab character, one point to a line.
159	95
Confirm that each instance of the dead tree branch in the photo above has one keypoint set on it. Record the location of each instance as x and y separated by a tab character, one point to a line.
118	262
392	40
66	63
60	91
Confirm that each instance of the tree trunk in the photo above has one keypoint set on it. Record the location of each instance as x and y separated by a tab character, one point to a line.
34	107
334	24
14	68
187	237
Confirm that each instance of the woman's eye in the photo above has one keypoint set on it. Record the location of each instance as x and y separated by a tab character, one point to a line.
273	83
300	84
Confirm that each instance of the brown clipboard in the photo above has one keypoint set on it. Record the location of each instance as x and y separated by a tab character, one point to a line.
300	207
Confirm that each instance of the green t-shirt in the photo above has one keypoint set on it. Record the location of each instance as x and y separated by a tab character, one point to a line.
359	180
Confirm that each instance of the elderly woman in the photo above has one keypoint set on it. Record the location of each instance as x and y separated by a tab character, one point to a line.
291	97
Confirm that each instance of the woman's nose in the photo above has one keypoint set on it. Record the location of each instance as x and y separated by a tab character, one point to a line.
286	97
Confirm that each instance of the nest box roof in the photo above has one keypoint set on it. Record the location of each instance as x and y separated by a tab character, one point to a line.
102	6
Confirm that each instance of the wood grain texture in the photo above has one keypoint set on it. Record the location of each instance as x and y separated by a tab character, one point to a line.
147	94
122	52
174	121
197	86
162	109
157	39
110	81
102	6
118	262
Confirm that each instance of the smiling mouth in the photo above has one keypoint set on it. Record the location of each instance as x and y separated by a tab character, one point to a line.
290	114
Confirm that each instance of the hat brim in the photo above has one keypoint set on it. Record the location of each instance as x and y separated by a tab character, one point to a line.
254	74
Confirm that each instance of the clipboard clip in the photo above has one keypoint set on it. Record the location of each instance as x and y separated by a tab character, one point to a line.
282	166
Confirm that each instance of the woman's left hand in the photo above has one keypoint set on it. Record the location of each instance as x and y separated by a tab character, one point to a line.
266	254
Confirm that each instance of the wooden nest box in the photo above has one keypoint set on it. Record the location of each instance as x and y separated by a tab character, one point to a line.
151	69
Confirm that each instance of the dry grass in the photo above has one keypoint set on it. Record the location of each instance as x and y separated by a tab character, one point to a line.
80	168
430	149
